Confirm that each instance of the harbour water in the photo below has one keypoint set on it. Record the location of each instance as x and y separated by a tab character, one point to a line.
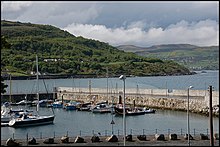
87	123
199	81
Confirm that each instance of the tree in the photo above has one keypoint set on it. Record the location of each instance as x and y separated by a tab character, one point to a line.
3	86
4	44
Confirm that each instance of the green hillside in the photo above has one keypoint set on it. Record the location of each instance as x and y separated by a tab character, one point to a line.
191	56
60	52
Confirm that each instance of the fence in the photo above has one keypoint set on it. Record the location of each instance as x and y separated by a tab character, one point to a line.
41	135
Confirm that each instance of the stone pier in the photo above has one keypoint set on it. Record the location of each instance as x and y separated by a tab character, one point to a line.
153	98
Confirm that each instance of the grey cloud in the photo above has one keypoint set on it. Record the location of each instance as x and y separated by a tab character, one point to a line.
198	33
141	23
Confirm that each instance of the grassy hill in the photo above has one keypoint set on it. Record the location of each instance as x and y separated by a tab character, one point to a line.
191	56
62	53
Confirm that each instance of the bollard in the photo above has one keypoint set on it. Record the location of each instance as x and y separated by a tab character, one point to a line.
40	135
194	131
80	133
105	132
181	131
143	131
13	135
168	131
93	132
67	134
207	131
131	132
54	134
156	131
118	133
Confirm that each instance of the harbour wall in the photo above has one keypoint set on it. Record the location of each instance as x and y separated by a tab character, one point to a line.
153	98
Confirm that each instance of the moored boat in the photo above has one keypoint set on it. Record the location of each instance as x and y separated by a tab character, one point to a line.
72	105
31	120
102	107
28	119
129	111
57	104
8	113
148	110
135	111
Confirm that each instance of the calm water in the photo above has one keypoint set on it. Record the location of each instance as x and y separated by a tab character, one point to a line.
86	123
199	81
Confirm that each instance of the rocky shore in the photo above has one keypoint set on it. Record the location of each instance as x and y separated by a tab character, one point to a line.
134	141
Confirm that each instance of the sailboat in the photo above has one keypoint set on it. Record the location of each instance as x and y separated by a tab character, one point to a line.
7	113
32	120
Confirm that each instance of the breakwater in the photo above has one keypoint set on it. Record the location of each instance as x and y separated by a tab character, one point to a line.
14	98
153	98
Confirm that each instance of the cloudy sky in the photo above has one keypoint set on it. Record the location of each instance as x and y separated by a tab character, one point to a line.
141	23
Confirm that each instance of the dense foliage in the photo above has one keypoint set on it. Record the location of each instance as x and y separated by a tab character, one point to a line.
60	52
4	44
191	56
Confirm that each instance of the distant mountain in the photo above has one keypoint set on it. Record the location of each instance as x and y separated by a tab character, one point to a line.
191	56
62	53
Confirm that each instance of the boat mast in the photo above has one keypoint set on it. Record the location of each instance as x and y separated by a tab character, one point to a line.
107	84
10	90
37	85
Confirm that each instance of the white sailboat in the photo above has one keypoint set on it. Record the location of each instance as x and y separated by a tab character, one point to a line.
7	113
32	120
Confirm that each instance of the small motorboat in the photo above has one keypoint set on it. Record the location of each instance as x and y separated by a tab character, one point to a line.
101	108
72	105
135	111
148	110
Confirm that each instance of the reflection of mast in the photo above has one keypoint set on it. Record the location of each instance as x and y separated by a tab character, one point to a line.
166	88
116	87
90	88
73	87
54	91
137	92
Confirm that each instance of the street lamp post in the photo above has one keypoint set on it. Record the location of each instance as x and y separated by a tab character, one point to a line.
188	128
122	77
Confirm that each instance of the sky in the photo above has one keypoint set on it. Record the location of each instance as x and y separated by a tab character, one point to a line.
139	23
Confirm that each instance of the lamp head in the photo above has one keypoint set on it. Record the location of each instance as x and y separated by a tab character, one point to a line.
190	87
122	77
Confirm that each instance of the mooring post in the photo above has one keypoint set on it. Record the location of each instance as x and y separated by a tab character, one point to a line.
210	117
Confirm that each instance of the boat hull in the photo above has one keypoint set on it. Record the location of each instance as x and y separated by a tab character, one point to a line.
32	122
104	110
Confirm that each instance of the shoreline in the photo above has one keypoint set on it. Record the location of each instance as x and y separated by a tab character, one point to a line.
66	76
150	141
